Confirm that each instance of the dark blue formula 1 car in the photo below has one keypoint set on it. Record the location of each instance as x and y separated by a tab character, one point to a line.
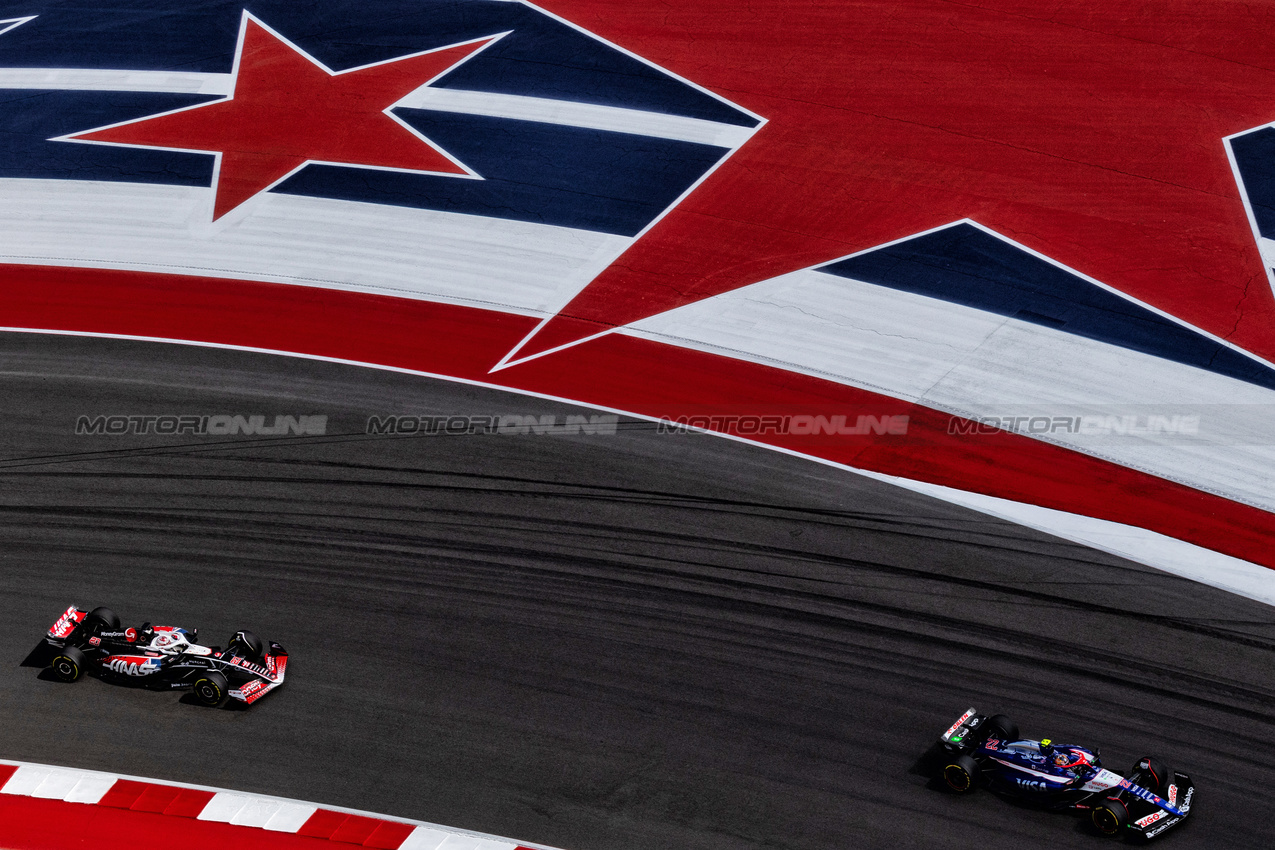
982	750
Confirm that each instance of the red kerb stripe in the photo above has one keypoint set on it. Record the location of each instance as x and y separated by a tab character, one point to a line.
189	803
356	829
390	835
322	823
155	798
124	794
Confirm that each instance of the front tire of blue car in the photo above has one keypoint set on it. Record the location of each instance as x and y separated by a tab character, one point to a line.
68	665
1110	817
960	774
211	689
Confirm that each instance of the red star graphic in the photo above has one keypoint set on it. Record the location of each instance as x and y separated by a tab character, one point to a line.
1090	132
286	109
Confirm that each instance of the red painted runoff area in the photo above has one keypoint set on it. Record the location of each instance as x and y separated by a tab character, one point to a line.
1090	132
623	373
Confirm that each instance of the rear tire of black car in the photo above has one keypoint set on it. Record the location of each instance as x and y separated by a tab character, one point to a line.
1110	817
68	665
1000	726
105	617
211	689
247	644
960	774
1156	775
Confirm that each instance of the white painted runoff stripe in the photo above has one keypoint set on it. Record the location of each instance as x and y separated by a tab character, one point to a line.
1160	551
492	264
274	814
94	79
538	109
978	365
585	115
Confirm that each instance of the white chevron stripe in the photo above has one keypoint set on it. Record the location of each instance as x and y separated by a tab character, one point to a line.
510	266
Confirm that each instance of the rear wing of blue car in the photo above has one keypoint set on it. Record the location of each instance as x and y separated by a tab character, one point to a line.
963	733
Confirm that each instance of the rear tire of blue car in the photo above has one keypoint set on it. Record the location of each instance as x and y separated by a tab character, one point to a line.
961	774
1110	817
1000	726
211	689
68	665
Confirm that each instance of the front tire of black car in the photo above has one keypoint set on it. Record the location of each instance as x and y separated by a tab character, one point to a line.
68	665
1000	726
105	617
960	774
211	689
1110	817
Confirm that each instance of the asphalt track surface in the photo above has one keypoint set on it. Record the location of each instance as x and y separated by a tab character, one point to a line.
628	642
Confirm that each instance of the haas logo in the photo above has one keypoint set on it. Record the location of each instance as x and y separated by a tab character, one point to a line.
132	666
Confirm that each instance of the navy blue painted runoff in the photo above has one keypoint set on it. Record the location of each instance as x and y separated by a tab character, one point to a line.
28	119
1255	157
965	265
543	173
542	56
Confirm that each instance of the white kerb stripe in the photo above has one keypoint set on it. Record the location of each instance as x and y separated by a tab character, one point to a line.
57	785
424	838
274	814
25	780
256	813
91	788
223	807
471	842
290	817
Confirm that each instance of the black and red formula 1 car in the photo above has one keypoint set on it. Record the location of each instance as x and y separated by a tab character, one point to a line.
159	657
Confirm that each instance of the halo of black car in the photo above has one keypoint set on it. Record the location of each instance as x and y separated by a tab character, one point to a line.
981	750
159	657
